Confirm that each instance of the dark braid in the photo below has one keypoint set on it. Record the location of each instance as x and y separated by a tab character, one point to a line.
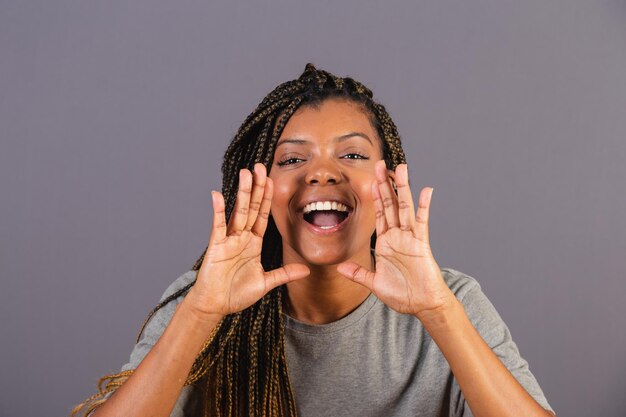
242	367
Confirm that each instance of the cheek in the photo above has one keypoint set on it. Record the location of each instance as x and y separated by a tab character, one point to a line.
367	200
281	189
282	193
365	189
280	200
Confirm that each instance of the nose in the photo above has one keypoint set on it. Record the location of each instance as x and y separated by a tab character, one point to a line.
323	173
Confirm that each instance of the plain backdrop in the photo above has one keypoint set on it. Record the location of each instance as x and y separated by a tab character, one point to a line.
114	116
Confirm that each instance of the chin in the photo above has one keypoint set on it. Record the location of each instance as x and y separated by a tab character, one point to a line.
325	256
325	261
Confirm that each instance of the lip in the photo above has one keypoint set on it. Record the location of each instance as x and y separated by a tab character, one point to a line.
325	232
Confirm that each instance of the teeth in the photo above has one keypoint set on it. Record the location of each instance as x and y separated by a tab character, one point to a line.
324	205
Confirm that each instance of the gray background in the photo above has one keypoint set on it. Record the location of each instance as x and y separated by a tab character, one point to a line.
114	116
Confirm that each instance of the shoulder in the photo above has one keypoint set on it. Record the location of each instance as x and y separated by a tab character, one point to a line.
460	283
489	324
179	283
478	307
173	295
156	323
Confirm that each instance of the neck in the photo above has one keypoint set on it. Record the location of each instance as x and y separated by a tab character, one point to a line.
325	295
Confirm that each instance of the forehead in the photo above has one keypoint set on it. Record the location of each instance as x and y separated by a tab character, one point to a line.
331	118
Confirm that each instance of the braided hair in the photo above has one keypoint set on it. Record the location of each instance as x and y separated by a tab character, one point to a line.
242	368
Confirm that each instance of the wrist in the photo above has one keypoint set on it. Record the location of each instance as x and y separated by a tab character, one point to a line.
199	318
442	316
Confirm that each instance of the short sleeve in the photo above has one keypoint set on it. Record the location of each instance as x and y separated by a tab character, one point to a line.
483	315
152	332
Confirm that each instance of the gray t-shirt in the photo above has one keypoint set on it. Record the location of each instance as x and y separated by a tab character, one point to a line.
373	362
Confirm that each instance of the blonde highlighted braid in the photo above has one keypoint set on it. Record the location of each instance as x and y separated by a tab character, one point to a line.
242	366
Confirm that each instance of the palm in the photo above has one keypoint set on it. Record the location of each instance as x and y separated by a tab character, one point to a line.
239	259
400	255
232	277
407	277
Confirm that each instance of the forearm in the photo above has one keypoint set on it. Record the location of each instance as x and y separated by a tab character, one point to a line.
487	385
154	387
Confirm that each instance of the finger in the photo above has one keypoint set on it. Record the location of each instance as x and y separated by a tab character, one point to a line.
239	216
264	211
285	274
423	213
218	232
405	199
389	199
256	198
379	209
357	273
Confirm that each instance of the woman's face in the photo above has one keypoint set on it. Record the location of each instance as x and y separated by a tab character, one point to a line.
323	170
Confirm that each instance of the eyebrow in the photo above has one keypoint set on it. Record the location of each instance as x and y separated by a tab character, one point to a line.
337	139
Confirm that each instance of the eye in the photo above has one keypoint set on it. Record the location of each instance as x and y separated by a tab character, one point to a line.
288	161
354	155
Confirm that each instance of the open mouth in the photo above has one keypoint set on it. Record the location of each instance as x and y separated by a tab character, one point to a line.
325	215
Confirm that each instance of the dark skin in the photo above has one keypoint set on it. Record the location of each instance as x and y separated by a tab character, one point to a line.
325	155
328	272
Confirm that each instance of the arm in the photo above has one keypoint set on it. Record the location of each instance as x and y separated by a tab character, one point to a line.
157	382
230	279
487	385
408	280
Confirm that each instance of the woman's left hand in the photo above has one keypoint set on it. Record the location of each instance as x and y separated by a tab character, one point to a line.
407	278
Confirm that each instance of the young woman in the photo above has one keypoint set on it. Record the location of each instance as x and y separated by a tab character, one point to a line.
318	293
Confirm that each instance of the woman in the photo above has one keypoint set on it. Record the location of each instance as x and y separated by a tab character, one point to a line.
353	316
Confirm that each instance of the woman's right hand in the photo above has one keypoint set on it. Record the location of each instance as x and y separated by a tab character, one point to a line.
231	277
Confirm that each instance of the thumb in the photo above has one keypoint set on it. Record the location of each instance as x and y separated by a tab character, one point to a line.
285	274
357	273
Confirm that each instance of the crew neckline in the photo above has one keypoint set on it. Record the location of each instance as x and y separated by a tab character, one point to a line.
335	326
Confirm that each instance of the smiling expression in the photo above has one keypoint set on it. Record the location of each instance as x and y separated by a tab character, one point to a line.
323	170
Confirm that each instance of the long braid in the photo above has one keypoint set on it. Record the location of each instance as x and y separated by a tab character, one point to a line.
242	367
